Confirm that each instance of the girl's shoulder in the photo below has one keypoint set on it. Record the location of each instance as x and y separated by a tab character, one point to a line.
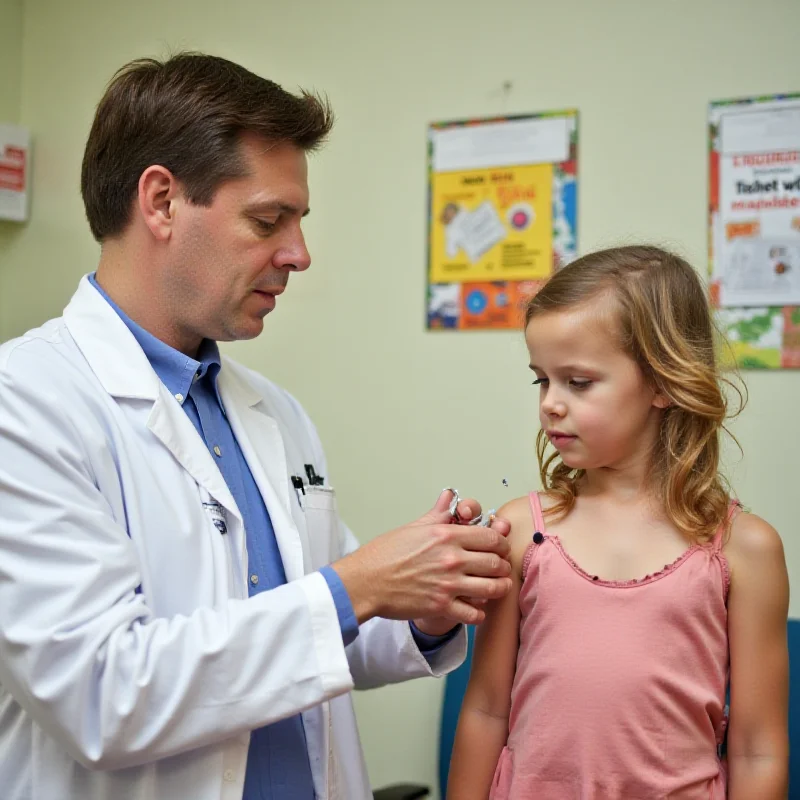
519	514
751	540
758	605
520	509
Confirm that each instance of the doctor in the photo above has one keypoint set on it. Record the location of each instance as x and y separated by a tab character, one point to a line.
182	612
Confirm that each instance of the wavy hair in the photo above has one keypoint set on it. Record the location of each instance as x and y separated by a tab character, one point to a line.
665	324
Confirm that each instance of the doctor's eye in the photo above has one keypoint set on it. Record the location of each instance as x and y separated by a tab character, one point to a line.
263	226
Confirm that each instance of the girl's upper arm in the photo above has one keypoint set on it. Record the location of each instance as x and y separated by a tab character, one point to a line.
497	638
758	606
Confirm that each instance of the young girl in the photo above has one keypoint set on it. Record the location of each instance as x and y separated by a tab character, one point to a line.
603	675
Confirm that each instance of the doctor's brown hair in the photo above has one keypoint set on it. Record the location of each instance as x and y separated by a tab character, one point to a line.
664	323
187	114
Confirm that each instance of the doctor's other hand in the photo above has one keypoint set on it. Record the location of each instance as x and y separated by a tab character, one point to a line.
430	570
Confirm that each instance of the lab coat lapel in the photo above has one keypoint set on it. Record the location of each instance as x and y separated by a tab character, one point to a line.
262	444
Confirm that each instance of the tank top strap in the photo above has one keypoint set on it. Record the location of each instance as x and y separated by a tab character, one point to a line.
538	532
536	512
719	537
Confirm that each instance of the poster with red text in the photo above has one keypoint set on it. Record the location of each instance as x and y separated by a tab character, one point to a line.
754	237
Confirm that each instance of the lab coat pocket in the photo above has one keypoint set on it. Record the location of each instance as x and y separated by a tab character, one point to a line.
322	523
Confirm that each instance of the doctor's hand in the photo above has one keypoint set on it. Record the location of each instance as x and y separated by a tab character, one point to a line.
431	570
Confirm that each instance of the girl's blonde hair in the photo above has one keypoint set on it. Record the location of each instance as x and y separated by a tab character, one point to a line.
665	324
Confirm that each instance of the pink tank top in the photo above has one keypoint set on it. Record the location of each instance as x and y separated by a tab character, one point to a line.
620	687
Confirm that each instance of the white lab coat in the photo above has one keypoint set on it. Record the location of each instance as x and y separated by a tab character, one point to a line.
106	692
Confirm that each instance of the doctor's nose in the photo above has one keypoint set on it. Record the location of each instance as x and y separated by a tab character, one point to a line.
294	256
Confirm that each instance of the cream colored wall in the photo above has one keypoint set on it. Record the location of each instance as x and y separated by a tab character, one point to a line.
404	412
10	59
10	92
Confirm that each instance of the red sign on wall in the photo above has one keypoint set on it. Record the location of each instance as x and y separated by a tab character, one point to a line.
12	169
15	172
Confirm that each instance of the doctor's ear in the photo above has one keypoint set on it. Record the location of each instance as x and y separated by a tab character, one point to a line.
157	200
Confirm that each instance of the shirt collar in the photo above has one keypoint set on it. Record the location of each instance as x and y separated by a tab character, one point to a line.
176	370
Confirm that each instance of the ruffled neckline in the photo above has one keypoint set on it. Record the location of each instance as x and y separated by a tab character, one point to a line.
598	581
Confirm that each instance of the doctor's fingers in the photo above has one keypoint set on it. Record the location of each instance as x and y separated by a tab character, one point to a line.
480	540
502	526
484	565
468	509
462	611
477	602
441	513
478	589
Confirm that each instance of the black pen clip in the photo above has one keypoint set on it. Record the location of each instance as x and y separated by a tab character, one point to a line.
313	478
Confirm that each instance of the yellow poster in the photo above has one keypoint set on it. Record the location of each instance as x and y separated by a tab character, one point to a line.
492	224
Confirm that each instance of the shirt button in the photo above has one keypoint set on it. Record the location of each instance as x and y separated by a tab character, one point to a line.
179	398
229	776
217	451
254	579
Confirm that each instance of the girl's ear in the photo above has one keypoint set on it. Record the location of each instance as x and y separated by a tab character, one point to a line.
661	400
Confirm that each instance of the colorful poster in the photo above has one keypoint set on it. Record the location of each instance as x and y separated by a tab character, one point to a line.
754	237
492	224
502	215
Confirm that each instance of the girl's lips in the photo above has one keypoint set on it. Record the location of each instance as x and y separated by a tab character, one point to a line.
559	438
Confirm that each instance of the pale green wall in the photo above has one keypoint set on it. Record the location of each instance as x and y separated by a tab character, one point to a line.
404	413
10	92
10	59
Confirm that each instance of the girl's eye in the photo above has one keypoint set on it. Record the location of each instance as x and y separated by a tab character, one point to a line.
580	385
540	382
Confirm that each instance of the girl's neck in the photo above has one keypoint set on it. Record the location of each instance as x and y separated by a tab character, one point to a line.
630	484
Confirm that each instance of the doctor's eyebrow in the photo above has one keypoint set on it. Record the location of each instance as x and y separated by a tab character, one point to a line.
271	206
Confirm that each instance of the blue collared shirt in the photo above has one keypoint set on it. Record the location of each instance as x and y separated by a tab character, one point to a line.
277	762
